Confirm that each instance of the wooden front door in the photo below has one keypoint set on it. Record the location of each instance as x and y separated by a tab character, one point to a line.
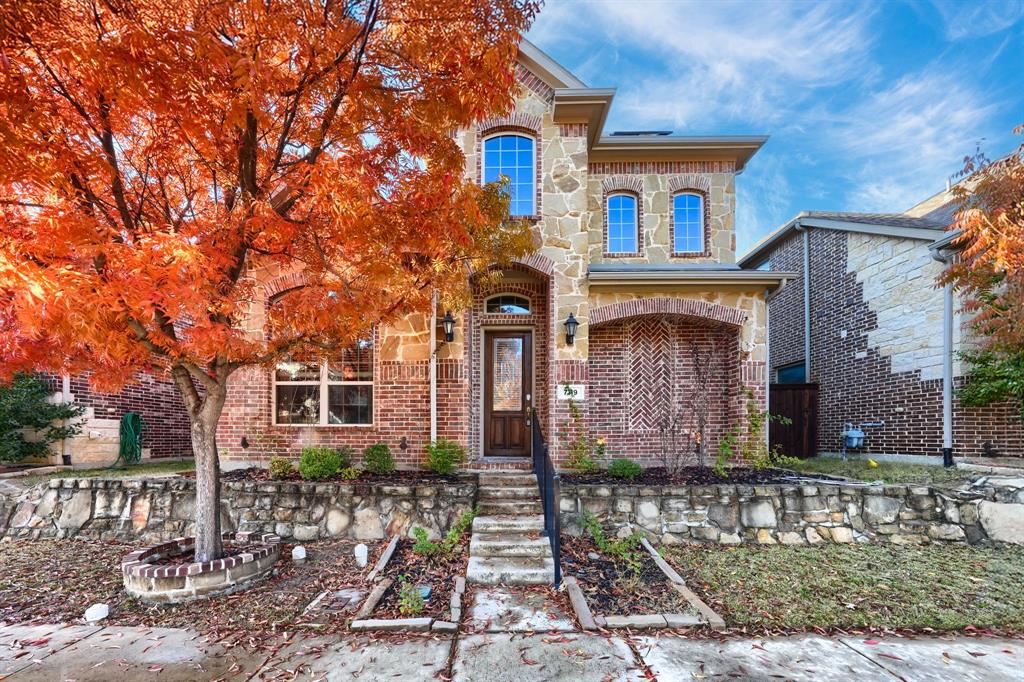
508	393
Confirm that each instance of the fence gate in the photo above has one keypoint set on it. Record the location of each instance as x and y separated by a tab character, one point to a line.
799	403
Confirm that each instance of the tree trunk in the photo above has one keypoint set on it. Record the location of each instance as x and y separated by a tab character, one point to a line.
204	412
207	511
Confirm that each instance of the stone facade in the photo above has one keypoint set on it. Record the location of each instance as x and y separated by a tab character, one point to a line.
154	510
876	345
568	227
800	514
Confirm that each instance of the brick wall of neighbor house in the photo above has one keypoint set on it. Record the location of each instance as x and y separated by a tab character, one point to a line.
165	422
787	308
641	372
876	346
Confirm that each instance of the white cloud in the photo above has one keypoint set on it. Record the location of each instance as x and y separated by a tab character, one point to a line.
702	62
763	195
901	142
976	18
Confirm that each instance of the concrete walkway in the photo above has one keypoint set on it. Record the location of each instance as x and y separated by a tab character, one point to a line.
84	653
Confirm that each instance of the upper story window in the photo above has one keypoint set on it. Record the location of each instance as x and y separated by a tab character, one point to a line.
688	221
508	304
328	392
512	156
622	218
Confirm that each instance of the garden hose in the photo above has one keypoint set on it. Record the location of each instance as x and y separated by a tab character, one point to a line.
130	450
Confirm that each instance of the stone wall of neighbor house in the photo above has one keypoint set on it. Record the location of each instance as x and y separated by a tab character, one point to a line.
165	422
800	515
161	509
876	346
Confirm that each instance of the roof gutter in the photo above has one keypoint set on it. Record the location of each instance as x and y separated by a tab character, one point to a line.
774	280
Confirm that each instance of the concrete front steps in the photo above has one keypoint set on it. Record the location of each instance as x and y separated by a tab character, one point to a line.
507	547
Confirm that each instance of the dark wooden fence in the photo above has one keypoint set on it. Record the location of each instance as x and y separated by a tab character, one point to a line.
798	403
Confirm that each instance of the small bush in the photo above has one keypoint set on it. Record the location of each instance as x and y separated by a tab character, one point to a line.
410	600
623	551
423	545
444	455
378	460
625	468
349	473
347	454
319	463
280	467
25	408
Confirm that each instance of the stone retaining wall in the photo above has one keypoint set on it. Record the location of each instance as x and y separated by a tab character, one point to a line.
161	509
799	515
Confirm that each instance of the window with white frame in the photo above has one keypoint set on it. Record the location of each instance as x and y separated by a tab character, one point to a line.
328	392
688	221
511	156
622	224
507	304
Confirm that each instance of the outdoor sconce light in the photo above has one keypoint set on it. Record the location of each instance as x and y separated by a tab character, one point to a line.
570	329
449	327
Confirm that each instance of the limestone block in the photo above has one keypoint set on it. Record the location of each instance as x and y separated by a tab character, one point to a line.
879	509
758	514
1003	522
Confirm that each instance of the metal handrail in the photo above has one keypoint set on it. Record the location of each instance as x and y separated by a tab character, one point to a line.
549	484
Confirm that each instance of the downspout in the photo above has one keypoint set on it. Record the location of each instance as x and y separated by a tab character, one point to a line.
433	367
947	364
65	398
807	302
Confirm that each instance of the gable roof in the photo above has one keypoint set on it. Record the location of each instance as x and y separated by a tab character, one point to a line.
575	102
901	225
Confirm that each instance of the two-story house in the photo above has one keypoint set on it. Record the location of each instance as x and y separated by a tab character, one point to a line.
634	275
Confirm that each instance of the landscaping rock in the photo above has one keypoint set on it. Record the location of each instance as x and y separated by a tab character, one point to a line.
76	513
879	509
305	533
367	525
338	521
393	625
96	612
947	531
758	514
1003	522
635	622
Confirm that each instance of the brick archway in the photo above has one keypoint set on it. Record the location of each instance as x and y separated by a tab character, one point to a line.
667	306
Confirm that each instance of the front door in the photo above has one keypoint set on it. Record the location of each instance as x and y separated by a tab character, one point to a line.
508	393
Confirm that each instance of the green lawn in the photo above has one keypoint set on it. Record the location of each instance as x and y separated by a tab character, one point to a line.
889	472
144	469
858	586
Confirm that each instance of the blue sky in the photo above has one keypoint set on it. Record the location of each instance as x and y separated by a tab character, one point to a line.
870	105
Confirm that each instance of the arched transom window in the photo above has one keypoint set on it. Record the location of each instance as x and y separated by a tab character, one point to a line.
512	156
508	304
623	232
688	221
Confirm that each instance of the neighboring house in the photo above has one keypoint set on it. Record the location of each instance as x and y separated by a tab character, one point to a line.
637	246
876	346
165	421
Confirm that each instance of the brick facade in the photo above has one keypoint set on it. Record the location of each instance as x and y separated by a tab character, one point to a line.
876	335
165	422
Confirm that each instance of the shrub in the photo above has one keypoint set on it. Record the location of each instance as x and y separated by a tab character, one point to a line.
625	468
451	539
444	455
280	467
347	454
319	463
349	473
623	550
25	405
423	545
584	451
410	600
378	460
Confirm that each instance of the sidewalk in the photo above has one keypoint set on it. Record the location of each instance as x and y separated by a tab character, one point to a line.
85	653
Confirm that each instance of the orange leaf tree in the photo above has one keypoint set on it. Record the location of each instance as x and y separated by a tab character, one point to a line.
989	272
159	153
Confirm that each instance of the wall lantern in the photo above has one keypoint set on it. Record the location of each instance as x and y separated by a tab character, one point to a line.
570	329
449	327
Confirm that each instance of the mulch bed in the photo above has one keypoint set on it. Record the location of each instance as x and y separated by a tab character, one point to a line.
53	581
438	571
612	590
400	477
692	475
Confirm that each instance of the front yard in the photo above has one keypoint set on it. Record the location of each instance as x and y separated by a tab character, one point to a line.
857	587
887	472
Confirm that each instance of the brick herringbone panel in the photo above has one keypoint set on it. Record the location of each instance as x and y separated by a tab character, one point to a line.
650	371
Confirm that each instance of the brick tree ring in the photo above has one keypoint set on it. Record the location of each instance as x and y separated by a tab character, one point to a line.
153	575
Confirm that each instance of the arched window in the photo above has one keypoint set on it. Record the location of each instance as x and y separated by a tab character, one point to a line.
688	223
507	304
512	156
622	218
